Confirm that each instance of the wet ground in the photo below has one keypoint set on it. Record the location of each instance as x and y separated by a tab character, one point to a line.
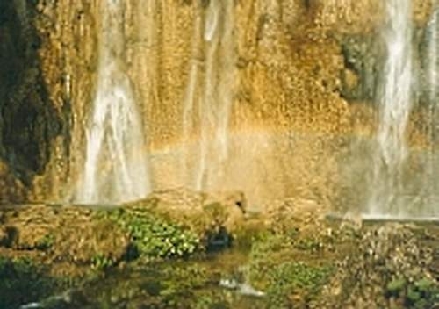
291	257
217	280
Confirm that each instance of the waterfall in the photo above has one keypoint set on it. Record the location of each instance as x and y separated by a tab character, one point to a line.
395	104
115	168
226	81
215	102
432	65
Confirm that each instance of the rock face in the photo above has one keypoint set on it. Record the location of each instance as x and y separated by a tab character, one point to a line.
29	121
298	65
391	261
71	239
363	59
52	234
203	212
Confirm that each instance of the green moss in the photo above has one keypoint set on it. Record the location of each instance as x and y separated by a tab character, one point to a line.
274	269
295	280
22	281
246	235
396	286
413	295
182	283
422	293
308	244
426	286
46	242
216	211
170	284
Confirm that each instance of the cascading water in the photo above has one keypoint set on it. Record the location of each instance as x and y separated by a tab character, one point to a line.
115	168
432	66
395	105
215	103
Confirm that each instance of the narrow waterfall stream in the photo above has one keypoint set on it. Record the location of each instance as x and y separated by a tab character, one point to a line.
115	168
395	105
432	83
217	95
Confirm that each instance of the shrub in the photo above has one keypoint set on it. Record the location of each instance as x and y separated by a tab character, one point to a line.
156	237
422	293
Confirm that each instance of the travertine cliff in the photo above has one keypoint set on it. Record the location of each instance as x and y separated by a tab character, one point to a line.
300	66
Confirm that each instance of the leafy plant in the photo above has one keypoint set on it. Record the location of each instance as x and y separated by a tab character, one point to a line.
156	237
294	278
46	242
396	286
422	293
308	244
101	262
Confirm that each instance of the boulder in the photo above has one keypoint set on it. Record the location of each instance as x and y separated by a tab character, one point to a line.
201	211
70	234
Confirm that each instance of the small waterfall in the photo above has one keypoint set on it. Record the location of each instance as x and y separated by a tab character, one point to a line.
432	83
226	81
395	105
432	68
115	168
217	97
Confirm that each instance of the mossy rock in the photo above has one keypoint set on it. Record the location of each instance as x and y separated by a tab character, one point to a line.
201	212
24	281
67	234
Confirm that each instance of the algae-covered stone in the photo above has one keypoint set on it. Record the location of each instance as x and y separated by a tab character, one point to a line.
24	281
67	234
200	212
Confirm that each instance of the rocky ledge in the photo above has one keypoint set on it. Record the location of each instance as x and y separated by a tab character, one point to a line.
294	256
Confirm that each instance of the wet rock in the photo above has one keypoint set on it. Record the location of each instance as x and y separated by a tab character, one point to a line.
381	256
283	215
242	288
363	56
71	299
68	234
352	220
203	212
426	43
220	239
3	236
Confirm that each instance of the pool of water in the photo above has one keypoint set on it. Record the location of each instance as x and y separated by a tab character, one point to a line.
217	280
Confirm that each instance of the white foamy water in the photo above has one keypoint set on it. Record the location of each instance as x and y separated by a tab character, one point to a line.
211	104
115	168
395	105
432	64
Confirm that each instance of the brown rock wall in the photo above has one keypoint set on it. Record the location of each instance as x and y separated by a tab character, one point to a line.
288	74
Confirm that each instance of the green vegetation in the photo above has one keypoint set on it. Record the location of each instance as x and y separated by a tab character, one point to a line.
101	262
156	237
280	273
246	235
22	282
422	293
295	280
308	244
182	283
395	286
46	242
